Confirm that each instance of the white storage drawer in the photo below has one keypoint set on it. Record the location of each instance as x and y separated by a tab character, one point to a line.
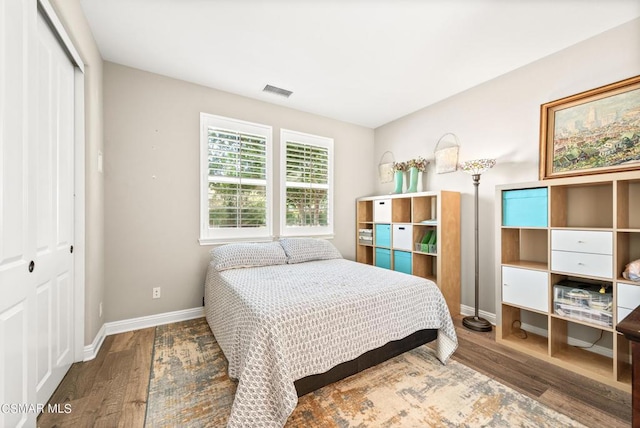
382	211
623	313
600	265
628	295
628	299
583	241
403	237
526	288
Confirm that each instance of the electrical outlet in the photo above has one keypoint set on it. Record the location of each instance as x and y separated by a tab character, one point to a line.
100	310
156	292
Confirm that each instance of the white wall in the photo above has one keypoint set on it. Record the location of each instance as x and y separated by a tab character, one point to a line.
152	140
500	119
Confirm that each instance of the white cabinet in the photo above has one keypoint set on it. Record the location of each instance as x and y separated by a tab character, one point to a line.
526	288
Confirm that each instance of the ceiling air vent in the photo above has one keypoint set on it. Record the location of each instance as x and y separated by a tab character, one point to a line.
277	91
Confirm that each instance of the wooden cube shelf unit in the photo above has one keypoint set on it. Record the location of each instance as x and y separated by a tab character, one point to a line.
589	232
396	223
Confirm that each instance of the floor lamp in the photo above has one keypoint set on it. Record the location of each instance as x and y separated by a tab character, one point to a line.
475	168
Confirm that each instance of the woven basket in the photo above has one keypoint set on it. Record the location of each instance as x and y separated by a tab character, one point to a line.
385	169
446	153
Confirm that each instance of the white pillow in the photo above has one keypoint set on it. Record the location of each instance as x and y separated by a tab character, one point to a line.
300	250
244	255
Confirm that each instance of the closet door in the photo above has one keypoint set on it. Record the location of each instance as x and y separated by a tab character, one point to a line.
53	175
36	211
17	224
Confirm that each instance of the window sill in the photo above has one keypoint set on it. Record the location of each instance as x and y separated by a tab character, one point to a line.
309	235
221	241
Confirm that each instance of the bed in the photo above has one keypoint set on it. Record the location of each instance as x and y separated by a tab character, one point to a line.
292	315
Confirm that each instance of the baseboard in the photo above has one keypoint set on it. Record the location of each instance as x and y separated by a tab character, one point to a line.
571	341
90	351
469	310
115	327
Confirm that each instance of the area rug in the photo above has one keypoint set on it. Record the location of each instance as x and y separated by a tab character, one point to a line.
189	387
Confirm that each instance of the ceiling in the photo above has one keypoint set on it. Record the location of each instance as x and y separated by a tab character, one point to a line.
367	62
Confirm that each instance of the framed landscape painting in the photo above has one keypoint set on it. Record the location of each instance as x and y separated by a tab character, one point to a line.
592	132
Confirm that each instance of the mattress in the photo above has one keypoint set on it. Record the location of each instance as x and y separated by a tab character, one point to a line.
277	324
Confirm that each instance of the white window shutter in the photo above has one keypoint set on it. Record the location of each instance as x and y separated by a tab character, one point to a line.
307	190
236	202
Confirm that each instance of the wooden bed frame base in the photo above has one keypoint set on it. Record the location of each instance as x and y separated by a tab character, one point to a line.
364	361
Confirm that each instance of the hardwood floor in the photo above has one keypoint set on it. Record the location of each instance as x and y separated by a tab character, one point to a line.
111	390
592	403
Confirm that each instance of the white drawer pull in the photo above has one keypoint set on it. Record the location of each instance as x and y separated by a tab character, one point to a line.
505	284
580	264
581	242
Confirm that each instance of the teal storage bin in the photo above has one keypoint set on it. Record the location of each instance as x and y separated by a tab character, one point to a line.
383	258
525	207
402	261
383	235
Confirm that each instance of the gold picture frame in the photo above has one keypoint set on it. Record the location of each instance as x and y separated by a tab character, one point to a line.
592	132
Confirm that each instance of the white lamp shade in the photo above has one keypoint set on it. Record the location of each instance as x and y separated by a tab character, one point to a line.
477	166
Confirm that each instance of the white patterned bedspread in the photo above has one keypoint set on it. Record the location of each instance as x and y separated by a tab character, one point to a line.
277	324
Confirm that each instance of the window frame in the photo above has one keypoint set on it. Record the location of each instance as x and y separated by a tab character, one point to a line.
210	235
313	140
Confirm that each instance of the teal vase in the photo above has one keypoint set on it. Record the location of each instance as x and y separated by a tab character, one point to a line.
397	177
413	180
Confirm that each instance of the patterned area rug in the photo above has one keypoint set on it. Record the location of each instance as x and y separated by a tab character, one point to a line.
189	386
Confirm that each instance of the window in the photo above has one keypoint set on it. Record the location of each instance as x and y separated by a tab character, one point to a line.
235	200
307	184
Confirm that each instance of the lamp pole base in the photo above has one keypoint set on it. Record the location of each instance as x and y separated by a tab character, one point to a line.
476	323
